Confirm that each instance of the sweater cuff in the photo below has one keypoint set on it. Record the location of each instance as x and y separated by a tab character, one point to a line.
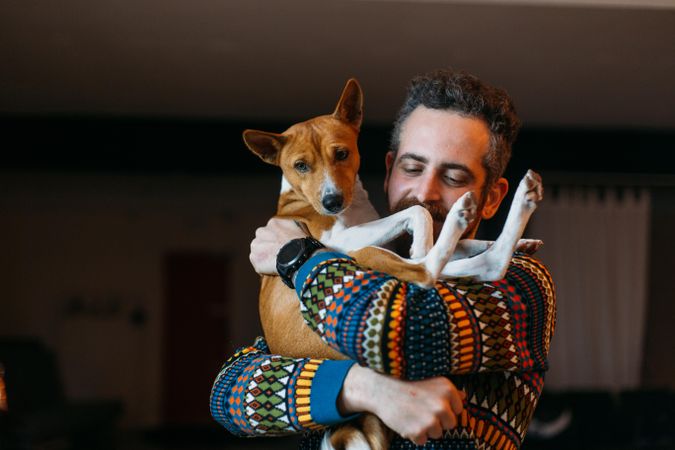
326	389
305	270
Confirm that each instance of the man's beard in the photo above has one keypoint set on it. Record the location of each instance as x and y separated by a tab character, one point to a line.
437	210
438	214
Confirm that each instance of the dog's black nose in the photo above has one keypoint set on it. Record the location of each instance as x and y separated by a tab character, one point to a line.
333	202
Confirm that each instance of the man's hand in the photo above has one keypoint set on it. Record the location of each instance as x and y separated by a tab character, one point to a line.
529	246
269	240
417	410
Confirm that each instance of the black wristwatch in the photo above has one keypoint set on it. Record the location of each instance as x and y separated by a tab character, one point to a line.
293	255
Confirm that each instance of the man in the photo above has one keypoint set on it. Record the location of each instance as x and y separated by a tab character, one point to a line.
474	353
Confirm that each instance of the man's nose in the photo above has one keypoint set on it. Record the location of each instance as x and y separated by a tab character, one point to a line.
428	190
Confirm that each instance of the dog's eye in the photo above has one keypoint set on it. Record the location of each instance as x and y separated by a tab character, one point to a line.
341	154
301	166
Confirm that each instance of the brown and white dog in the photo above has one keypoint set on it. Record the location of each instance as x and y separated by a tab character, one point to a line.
319	159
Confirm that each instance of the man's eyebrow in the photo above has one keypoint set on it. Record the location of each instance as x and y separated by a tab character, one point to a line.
414	157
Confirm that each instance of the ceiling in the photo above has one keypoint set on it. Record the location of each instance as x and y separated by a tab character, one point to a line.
601	63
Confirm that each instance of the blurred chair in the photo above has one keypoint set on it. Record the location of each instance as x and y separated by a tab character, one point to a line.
38	415
595	419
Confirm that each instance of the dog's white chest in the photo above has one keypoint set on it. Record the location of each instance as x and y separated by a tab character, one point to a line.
359	212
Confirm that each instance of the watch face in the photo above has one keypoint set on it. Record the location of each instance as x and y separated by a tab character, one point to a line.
290	252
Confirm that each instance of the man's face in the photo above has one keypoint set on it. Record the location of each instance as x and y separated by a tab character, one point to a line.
440	157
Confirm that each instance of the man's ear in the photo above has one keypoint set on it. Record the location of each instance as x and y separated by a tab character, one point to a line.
494	197
388	163
266	145
350	106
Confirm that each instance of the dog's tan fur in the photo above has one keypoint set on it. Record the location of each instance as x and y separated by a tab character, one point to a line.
316	142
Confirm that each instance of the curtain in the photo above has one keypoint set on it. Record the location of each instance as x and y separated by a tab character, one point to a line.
596	244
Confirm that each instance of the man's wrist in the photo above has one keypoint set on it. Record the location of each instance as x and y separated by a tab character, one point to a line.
294	276
325	391
356	391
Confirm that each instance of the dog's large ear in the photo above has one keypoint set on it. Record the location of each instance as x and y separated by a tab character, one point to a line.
350	107
266	145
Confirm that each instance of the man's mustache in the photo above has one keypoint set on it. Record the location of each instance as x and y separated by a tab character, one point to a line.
438	211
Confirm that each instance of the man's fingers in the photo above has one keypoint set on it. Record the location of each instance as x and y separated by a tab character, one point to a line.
448	420
419	440
456	401
265	234
435	431
529	246
424	408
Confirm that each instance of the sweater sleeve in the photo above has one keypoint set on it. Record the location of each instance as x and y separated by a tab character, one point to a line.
458	327
256	393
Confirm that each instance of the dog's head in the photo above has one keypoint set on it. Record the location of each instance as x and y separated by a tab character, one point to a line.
319	157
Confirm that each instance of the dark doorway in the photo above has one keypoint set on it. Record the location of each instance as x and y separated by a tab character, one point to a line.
195	333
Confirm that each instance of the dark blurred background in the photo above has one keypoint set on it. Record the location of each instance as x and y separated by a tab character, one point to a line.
128	200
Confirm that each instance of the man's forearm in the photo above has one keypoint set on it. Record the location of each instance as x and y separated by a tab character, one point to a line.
259	393
403	330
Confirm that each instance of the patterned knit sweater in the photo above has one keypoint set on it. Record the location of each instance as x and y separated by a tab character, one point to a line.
489	339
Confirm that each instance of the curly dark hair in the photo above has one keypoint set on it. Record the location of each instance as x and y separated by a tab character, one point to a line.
466	94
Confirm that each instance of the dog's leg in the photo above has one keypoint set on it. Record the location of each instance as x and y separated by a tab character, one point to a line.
415	220
492	264
468	248
367	432
345	438
459	217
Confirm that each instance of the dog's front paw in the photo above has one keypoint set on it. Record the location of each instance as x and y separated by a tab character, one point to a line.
530	190
421	229
463	211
